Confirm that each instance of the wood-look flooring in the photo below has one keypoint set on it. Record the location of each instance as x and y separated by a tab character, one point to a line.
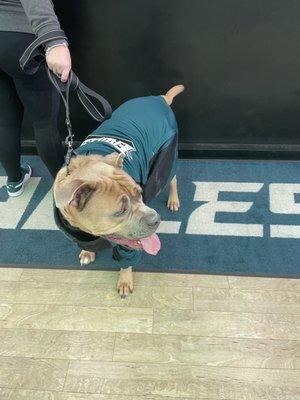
67	335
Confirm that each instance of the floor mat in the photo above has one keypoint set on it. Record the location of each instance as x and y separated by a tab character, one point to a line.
236	218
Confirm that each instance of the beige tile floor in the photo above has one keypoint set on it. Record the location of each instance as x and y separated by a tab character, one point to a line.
67	335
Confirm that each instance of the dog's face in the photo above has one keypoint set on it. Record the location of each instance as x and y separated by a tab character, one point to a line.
98	197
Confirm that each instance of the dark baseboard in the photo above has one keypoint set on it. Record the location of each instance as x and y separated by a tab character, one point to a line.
217	150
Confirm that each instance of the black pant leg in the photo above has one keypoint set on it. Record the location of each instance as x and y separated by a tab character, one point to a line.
38	96
11	115
41	102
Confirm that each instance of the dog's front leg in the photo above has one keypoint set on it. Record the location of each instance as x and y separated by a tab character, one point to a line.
86	257
125	282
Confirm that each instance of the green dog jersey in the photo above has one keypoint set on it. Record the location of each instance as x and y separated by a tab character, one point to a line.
140	129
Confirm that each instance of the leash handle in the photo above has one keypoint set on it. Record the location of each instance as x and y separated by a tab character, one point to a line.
96	105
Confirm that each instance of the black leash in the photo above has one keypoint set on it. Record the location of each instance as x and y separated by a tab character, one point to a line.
30	62
65	99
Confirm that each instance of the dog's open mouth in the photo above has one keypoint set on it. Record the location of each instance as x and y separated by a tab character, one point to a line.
150	244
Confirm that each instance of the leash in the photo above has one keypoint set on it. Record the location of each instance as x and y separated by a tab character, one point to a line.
96	105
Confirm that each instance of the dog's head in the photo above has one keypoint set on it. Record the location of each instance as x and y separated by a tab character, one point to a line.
100	198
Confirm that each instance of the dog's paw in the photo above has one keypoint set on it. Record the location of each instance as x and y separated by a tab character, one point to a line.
173	203
86	257
125	282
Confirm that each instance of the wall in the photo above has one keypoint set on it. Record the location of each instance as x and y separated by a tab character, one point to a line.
239	60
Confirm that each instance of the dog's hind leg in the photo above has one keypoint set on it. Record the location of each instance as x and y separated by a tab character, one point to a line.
174	91
173	203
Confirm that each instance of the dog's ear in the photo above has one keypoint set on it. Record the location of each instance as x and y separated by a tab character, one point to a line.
75	193
114	159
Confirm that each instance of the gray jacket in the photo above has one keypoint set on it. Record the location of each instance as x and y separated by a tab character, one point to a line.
28	16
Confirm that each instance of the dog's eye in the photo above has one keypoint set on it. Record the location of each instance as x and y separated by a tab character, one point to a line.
124	207
121	212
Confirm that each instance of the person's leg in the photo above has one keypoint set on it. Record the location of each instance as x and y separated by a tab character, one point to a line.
38	96
11	115
41	102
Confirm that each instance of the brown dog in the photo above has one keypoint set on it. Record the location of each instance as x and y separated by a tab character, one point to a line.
100	198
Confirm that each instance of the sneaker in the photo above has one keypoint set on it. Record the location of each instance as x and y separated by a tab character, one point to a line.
15	189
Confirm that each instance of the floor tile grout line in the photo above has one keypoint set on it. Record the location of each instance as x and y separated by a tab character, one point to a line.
228	282
148	334
131	396
111	272
170	285
153	315
193	298
95	285
5	302
21	274
110	284
37	390
42	358
125	306
58	359
114	347
131	307
154	333
65	379
283	290
155	364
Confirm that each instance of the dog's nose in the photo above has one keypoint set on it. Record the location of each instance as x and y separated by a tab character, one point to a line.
154	221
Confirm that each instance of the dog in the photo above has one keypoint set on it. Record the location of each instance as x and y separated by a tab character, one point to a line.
124	163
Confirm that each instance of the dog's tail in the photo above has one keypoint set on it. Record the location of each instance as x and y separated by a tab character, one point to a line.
174	91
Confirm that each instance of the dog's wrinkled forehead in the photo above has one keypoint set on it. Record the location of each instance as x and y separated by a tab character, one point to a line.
75	190
127	183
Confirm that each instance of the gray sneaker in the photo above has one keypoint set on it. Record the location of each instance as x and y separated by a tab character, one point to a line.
15	189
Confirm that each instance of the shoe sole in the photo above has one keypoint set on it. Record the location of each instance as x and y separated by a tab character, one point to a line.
26	177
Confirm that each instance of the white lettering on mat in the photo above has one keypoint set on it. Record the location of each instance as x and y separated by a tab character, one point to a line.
282	201
202	220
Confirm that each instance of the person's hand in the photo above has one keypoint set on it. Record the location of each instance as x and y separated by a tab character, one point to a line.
58	60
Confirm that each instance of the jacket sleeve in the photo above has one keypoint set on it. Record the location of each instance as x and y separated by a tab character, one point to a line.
41	17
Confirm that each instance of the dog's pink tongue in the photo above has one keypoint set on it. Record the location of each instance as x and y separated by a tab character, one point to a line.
151	244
